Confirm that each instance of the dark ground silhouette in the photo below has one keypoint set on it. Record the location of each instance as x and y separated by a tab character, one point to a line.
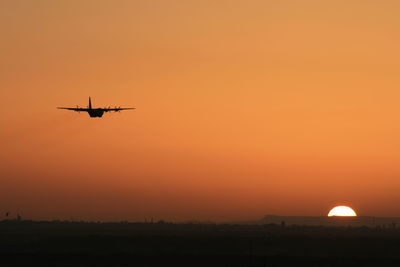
24	243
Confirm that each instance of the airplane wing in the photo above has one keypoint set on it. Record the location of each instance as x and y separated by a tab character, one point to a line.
115	109
74	109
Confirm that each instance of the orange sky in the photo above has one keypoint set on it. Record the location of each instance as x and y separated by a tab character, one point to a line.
244	108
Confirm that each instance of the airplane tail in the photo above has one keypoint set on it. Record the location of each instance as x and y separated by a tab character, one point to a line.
90	103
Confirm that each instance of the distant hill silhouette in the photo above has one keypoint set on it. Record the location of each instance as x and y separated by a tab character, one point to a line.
391	222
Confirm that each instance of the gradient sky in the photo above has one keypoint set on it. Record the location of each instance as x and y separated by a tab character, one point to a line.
244	108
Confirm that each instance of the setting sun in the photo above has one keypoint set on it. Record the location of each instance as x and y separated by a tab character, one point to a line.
342	211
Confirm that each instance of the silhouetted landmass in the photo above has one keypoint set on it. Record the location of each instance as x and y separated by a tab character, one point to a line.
57	243
390	222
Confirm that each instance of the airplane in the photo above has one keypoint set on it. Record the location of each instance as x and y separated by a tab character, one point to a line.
95	112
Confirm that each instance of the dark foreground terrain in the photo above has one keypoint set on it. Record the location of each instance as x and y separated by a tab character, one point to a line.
24	243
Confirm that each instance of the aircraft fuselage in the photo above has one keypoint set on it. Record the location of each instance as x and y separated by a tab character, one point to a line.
96	113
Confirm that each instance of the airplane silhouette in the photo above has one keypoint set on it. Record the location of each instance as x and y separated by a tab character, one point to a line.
95	112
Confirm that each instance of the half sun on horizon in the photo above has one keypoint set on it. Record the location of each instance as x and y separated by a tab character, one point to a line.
342	211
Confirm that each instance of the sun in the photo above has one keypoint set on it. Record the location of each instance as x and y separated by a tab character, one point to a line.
342	211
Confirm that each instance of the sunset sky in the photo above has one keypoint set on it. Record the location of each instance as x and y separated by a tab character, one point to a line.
244	108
